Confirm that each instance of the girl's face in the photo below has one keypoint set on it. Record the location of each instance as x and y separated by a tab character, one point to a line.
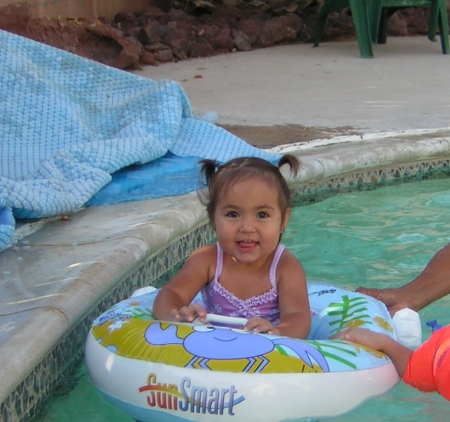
248	220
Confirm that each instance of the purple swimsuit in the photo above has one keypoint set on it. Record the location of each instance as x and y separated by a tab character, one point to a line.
219	300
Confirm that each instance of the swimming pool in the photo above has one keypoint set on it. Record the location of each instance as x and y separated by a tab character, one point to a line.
70	270
376	237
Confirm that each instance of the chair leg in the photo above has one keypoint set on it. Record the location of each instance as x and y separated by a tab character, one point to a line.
320	23
359	10
438	17
433	22
443	26
383	27
375	13
328	7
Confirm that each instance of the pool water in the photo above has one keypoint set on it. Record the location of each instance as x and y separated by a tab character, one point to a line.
376	238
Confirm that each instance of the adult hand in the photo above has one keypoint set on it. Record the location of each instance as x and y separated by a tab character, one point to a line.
390	297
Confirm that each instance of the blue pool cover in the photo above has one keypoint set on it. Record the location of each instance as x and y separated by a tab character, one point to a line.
75	132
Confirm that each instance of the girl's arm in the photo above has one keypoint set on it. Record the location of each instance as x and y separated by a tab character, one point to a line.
398	353
173	302
293	300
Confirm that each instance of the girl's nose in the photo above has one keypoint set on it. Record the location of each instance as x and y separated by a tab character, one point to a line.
246	225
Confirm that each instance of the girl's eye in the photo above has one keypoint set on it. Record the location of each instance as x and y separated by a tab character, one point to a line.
233	214
262	214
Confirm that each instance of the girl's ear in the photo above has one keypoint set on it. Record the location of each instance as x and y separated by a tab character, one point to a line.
285	220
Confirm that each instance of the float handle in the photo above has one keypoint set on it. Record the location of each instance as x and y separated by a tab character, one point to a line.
222	319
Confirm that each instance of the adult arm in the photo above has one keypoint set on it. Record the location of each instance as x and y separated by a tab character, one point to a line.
430	285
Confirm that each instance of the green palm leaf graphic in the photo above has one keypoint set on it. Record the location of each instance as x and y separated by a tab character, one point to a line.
347	311
142	313
327	349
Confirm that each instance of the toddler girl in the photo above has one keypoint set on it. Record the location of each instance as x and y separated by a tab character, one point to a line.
247	273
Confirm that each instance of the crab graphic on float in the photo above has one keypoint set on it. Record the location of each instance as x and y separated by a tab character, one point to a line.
207	342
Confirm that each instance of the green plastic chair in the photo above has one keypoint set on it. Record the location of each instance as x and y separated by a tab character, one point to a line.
371	17
360	13
382	10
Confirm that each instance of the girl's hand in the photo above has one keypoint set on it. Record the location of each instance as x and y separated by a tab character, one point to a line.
188	313
398	353
261	325
362	336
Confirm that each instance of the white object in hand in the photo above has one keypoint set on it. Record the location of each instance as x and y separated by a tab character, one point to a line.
408	328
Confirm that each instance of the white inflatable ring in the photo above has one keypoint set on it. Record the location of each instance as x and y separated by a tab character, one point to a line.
164	371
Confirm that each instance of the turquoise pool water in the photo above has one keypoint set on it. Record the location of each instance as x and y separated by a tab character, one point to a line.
378	238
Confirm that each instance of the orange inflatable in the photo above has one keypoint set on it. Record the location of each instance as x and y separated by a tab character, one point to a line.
429	366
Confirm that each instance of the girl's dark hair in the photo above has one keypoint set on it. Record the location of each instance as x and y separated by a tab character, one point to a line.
219	177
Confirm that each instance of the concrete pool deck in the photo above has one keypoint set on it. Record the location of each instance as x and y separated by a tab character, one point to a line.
329	87
383	112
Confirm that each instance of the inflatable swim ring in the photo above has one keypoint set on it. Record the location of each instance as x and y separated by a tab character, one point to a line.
165	371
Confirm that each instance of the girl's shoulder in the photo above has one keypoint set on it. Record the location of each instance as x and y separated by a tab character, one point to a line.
288	261
199	266
204	255
290	273
209	249
286	254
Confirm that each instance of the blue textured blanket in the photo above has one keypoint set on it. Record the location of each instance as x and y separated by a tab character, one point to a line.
68	123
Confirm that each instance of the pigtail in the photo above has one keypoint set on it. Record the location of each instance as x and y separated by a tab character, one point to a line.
292	162
208	169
